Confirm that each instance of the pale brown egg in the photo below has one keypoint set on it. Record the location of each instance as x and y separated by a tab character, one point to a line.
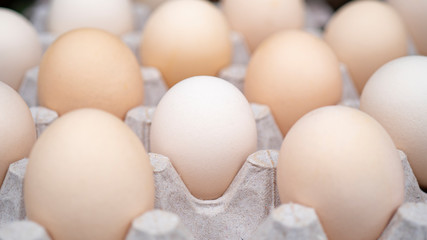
341	162
396	96
88	177
413	13
90	68
186	38
17	129
293	72
206	127
365	35
20	47
258	19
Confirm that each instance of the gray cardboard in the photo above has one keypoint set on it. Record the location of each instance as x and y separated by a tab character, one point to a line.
350	96
290	222
413	193
43	117
269	134
152	225
23	230
235	74
246	203
409	223
11	193
158	225
139	120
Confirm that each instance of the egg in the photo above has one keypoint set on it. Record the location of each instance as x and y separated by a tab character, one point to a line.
293	72
205	126
341	162
258	19
396	96
114	16
413	13
17	129
186	38
90	68
19	47
88	177
365	35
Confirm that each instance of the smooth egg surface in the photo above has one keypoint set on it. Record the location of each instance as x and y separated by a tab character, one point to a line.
341	162
88	177
90	68
206	127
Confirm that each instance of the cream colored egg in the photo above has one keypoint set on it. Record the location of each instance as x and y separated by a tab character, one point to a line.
413	13
342	163
90	68
365	35
258	19
293	72
88	177
396	96
186	38
114	16
20	47
207	129
17	129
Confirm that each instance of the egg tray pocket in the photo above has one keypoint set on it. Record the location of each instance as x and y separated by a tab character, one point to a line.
247	210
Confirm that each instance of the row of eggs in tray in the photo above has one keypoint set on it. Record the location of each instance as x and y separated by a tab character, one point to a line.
205	125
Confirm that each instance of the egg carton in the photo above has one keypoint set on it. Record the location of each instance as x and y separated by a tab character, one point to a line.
152	225
132	39
249	209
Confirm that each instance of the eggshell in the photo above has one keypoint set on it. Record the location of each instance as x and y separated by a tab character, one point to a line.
365	35
19	47
413	13
341	162
293	72
396	96
88	177
258	19
90	68
206	128
186	38
114	16
17	129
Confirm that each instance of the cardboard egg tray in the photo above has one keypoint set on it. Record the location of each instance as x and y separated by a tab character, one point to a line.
249	209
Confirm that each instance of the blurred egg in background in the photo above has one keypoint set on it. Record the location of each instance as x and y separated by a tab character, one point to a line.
114	16
20	48
90	68
365	35
293	72
413	13
186	38
258	19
